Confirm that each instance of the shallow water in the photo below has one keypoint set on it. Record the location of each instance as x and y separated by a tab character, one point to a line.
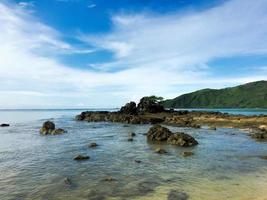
226	163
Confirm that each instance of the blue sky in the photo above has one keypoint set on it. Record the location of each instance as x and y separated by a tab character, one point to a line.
96	53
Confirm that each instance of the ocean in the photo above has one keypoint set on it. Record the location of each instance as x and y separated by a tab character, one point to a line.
226	164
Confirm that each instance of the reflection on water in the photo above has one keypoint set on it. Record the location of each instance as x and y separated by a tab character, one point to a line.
225	164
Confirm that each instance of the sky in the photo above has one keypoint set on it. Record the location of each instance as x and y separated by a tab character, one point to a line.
102	54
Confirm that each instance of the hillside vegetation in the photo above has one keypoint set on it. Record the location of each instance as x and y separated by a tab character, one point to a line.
250	95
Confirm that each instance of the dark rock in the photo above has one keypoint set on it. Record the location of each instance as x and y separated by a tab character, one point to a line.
182	139
4	125
129	109
187	153
259	135
131	134
158	133
160	151
47	128
213	128
177	195
195	125
93	145
146	104
138	161
81	157
67	181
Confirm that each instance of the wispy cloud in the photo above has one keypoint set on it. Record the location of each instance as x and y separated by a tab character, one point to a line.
91	5
154	54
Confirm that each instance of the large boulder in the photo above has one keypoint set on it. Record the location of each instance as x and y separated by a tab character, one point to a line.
129	108
47	128
158	133
147	104
182	139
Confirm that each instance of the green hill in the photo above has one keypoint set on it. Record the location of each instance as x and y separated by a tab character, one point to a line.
250	95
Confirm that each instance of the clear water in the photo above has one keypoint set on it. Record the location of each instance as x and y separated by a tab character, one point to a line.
233	111
226	164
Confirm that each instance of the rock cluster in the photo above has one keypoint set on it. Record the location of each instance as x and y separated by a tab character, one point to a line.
49	128
160	133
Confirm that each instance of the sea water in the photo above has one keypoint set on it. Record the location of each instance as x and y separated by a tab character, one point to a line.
226	164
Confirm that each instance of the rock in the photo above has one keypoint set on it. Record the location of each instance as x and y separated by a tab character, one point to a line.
130	139
177	195
146	104
182	139
195	125
48	128
259	135
131	134
263	157
213	128
109	179
58	131
93	145
67	181
81	157
129	109
263	128
4	125
137	161
158	133
160	151
187	153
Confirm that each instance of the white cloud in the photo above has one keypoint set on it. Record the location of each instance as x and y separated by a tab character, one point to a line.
164	55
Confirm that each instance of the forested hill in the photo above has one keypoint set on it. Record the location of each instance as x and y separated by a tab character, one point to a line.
250	95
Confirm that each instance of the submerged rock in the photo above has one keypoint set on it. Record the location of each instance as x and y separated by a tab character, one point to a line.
67	181
259	135
160	151
263	157
4	125
58	131
158	133
131	134
182	139
93	145
187	153
81	157
177	195
109	179
213	128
